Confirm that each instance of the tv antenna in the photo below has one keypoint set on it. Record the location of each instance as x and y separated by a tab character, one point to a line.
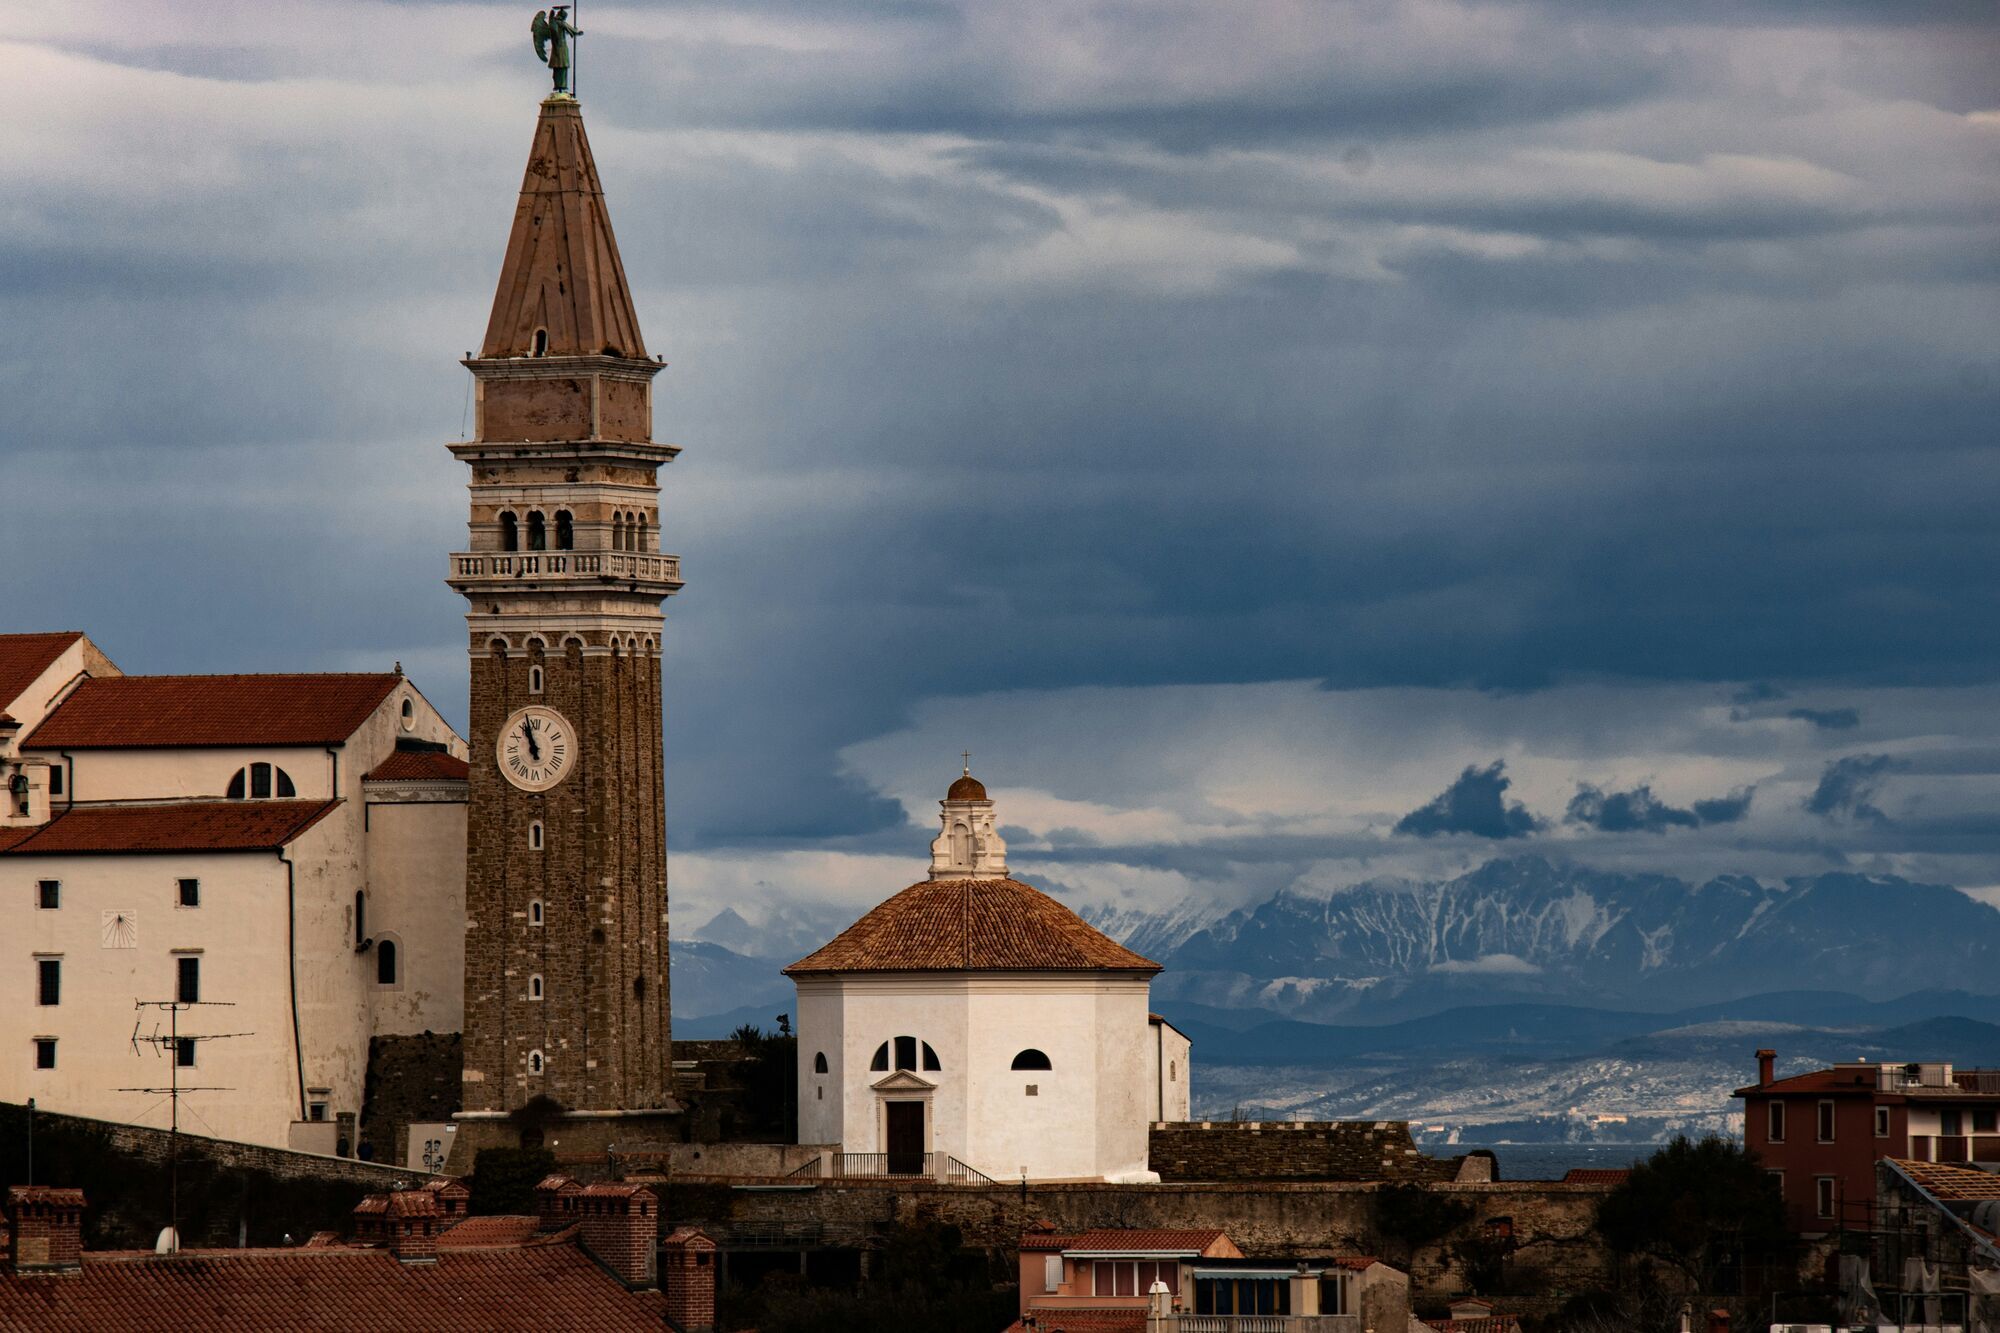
174	1043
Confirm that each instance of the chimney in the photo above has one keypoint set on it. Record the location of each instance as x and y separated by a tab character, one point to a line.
411	1225
1766	1059
453	1199
555	1203
621	1229
369	1217
48	1228
687	1263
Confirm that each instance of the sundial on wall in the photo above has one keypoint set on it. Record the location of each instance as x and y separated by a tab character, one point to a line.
119	929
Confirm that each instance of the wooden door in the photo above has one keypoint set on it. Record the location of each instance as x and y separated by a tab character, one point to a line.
906	1138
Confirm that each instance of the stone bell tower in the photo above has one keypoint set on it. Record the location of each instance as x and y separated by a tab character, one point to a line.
566	993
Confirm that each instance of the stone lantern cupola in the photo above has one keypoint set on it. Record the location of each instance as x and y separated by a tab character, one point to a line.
968	847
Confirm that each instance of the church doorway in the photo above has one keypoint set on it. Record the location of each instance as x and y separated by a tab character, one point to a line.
906	1138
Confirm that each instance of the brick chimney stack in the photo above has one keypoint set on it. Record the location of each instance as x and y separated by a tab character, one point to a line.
1766	1060
555	1203
453	1199
687	1272
621	1229
48	1228
411	1225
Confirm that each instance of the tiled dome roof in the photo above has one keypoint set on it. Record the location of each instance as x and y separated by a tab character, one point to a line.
971	925
967	788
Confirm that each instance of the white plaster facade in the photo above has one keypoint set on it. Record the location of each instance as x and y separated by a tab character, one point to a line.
273	930
1036	1072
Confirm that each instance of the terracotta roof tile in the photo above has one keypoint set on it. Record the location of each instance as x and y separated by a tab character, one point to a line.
26	656
1597	1175
1046	1242
419	766
546	1287
980	925
156	712
185	826
489	1233
1132	1319
1198	1241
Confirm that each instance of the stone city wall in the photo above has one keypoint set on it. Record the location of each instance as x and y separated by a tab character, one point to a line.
1355	1150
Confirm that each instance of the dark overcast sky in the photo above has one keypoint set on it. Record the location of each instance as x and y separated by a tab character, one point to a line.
1237	424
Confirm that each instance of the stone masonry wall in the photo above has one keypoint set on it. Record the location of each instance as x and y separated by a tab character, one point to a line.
409	1078
1291	1150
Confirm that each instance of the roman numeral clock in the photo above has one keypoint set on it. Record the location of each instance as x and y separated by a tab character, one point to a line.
534	748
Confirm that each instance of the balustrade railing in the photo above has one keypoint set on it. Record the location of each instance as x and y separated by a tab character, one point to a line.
938	1166
1262	1323
541	564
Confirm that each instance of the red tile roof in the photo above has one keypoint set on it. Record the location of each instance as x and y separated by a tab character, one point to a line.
26	656
1132	1319
185	826
481	1233
334	1290
1597	1175
980	925
1198	1241
419	766
156	712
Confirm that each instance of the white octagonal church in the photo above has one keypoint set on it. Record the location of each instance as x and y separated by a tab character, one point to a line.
972	1021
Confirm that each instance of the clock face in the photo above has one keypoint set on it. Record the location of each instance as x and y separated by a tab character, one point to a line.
537	748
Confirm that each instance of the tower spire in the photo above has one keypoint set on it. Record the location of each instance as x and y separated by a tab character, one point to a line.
562	285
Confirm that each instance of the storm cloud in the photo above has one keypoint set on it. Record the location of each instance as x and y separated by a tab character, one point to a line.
1849	786
1477	804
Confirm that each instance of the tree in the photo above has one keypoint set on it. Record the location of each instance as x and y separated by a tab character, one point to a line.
1706	1211
1415	1217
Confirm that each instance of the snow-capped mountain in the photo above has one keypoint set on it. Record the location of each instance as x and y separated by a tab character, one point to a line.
1525	928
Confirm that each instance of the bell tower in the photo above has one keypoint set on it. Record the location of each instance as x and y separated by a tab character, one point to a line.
566	992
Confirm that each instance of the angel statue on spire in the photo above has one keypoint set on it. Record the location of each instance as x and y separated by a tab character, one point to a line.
552	31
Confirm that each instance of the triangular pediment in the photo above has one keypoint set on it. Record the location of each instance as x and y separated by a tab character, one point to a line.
904	1081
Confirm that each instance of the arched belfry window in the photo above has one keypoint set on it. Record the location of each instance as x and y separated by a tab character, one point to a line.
1032	1059
961	845
639	543
565	531
538	531
510	532
618	532
819	1062
540	345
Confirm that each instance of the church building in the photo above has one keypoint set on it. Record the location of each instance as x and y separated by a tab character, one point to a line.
278	856
972	1026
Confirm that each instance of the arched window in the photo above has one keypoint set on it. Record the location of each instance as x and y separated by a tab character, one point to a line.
906	1052
409	715
639	542
260	782
565	531
819	1062
1032	1059
385	963
534	1062
535	986
538	531
618	532
360	918
880	1063
961	845
534	680
535	836
535	911
539	346
930	1059
510	532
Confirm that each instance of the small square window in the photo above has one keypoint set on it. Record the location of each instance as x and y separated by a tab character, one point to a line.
190	890
316	1111
48	894
1034	1089
45	1052
184	1052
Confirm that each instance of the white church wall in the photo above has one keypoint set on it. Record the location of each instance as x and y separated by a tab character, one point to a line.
1126	1098
879	1009
334	980
194	771
416	897
820	1029
1167	1071
1052	1134
237	931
